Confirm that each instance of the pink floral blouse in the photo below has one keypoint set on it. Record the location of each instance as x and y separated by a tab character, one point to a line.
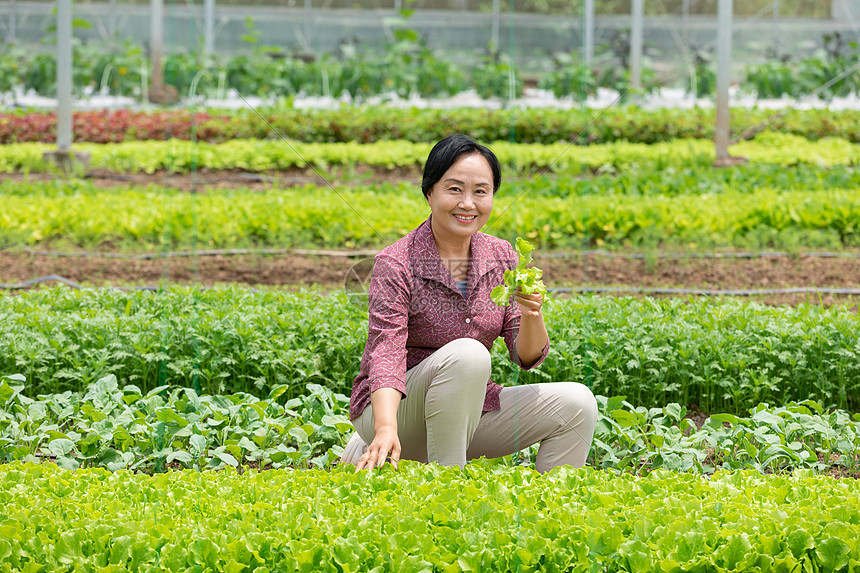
415	308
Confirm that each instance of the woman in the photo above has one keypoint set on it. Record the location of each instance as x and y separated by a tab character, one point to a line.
423	391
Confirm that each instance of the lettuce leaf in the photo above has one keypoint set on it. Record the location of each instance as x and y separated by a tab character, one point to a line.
523	278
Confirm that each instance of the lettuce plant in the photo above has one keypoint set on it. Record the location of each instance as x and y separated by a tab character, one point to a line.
525	279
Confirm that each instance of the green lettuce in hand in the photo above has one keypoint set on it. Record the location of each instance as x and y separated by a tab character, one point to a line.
525	279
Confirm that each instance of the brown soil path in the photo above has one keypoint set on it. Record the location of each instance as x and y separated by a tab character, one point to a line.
330	272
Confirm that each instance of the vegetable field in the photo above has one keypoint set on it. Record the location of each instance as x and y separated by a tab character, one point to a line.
181	402
426	519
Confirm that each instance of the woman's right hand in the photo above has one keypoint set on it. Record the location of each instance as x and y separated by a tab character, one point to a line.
385	446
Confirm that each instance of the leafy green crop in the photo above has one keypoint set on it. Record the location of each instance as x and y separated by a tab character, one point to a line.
772	439
82	215
177	156
426	518
117	428
523	278
721	355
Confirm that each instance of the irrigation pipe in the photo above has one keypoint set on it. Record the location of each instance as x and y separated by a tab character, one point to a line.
201	253
582	289
33	282
706	292
741	255
372	252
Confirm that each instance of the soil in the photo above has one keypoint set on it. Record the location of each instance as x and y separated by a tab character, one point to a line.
617	274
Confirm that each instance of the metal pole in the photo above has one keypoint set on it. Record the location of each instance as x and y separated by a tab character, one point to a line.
64	76
307	15
637	25
12	18
685	17
494	27
209	27
588	33
112	19
156	42
724	60
776	28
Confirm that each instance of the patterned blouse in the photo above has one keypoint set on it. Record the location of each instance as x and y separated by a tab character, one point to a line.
415	308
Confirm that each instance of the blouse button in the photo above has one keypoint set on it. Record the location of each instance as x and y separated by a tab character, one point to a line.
468	320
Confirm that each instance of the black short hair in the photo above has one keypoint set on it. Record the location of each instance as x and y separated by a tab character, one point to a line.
446	152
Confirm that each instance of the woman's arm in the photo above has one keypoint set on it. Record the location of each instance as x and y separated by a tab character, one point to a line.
532	336
384	402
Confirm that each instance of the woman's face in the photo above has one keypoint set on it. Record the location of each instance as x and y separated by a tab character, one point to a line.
461	201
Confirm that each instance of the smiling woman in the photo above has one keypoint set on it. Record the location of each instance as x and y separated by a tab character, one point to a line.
423	391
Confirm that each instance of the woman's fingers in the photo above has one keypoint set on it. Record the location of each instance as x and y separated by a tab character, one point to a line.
529	303
377	454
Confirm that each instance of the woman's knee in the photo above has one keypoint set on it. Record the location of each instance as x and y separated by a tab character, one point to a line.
472	359
578	403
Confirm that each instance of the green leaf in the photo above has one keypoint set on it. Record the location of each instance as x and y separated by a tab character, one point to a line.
524	249
68	463
69	548
197	444
737	552
299	434
501	295
277	391
340	422
227	459
170	416
248	445
637	555
6	392
833	554
799	542
61	446
156	390
625	418
179	455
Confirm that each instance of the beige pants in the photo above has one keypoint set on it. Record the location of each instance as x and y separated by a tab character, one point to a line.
441	419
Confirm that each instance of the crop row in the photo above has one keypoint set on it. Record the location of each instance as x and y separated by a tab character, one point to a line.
120	428
310	216
696	177
179	156
718	355
367	124
424	518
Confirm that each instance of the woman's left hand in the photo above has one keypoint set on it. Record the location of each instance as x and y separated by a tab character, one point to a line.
530	304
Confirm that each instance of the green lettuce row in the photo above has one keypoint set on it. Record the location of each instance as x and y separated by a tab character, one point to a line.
367	217
169	427
178	156
718	355
698	177
426	518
